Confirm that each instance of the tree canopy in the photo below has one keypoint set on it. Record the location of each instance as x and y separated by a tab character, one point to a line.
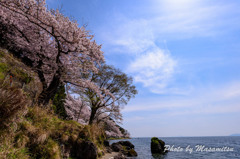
116	90
51	43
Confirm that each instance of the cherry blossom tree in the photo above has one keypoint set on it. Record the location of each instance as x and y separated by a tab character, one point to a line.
77	109
116	89
51	43
113	130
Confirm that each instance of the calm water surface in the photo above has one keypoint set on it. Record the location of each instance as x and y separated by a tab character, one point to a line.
142	146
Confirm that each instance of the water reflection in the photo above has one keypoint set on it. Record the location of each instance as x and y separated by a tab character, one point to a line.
159	156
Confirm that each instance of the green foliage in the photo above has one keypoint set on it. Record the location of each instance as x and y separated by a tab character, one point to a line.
155	140
132	152
1	54
100	154
122	130
18	153
21	75
3	67
10	65
119	138
118	84
157	146
58	102
49	150
3	70
2	76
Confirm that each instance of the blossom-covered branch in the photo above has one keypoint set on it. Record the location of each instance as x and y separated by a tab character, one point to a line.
50	42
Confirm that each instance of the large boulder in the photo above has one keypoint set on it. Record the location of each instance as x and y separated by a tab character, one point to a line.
127	144
106	143
116	147
131	153
84	150
157	146
125	147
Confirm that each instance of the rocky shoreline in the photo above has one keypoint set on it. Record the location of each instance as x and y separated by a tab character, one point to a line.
119	150
125	149
112	155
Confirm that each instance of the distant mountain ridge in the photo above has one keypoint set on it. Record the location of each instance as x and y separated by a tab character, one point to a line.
235	135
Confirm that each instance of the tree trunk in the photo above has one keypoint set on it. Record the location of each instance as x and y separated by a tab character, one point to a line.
79	113
50	91
92	117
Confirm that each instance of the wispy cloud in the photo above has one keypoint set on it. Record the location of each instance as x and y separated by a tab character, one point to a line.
168	20
224	99
186	18
154	69
153	65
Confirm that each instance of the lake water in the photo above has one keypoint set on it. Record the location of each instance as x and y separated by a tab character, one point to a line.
191	147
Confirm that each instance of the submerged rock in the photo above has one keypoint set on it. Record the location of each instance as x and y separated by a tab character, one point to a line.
157	146
131	153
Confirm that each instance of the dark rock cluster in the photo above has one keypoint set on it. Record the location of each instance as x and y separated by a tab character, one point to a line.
125	148
79	149
85	149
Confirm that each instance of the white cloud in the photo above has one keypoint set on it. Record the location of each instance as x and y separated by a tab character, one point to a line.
167	20
132	36
154	69
153	65
183	19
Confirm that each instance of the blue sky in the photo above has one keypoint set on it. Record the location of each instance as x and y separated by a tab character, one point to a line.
184	56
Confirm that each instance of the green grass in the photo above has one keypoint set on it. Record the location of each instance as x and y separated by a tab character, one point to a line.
2	76
21	75
8	65
38	132
3	67
113	138
3	70
1	54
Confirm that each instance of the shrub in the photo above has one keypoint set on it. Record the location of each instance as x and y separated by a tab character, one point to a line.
13	104
58	102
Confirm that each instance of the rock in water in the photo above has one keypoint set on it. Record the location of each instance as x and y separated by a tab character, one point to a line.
131	153
157	145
